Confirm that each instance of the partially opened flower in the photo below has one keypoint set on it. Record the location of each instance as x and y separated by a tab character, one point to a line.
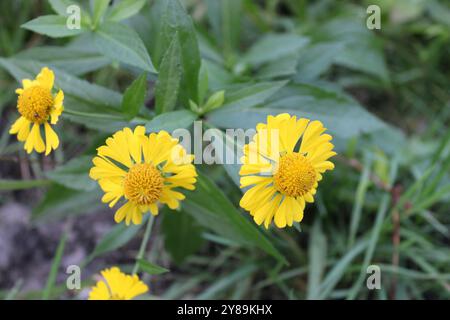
145	170
38	106
283	171
117	286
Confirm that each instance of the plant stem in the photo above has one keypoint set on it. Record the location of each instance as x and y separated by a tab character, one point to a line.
145	239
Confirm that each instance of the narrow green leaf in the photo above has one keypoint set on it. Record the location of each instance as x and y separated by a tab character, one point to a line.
125	9
76	61
250	95
120	42
151	268
60	6
225	282
273	47
170	121
60	202
117	237
6	184
54	268
317	259
225	19
53	26
215	101
182	235
212	209
171	18
74	174
166	91
98	10
134	97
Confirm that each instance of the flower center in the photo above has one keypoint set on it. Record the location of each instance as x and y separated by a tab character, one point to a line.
116	297
295	175
35	104
143	184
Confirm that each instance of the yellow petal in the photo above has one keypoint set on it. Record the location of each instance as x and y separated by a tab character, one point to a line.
22	127
280	215
51	139
34	140
46	78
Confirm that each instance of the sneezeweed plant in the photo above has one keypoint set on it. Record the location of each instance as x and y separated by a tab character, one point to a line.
145	170
37	106
117	285
284	178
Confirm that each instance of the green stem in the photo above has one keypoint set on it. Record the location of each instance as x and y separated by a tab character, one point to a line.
145	239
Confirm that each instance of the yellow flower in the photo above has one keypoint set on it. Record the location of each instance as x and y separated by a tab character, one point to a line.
37	105
117	286
284	175
143	169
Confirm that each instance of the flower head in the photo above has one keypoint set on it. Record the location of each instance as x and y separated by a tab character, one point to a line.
145	170
284	172
117	286
38	106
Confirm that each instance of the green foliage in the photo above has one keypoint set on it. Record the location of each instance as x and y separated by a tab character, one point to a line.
182	235
134	97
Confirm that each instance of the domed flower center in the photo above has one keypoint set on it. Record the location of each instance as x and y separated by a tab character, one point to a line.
35	103
143	184
295	175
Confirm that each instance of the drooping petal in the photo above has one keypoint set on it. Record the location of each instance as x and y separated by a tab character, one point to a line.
52	141
34	140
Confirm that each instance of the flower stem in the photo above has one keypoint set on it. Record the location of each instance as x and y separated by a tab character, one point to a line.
145	239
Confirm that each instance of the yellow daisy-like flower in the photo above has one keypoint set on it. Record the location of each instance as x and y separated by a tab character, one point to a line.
284	175
37	105
117	286
143	169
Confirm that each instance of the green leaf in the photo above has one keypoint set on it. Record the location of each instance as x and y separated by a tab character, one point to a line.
134	97
338	113
166	91
223	283
203	84
125	9
282	67
74	60
120	42
54	268
74	174
98	10
360	49
117	237
212	209
60	202
273	47
170	121
151	268
215	101
6	184
53	26
60	7
250	95
170	18
316	59
225	19
317	259
182	235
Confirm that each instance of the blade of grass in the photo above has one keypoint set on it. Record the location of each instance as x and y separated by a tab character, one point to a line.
54	268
